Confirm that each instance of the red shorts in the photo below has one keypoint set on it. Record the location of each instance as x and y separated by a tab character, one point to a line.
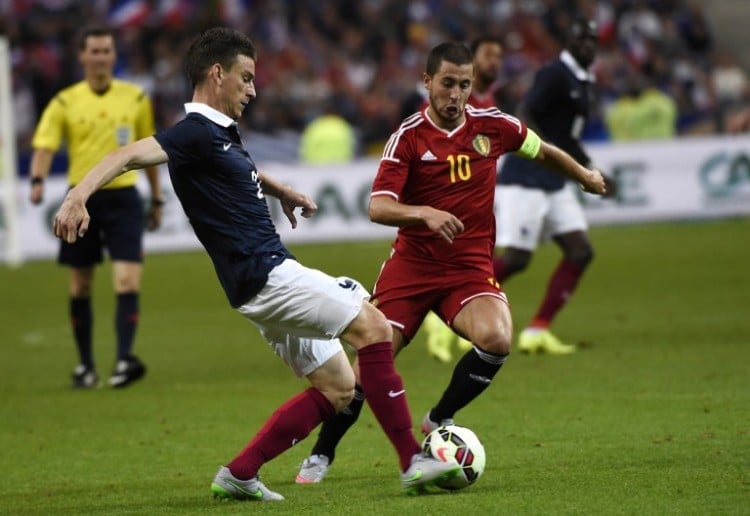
407	289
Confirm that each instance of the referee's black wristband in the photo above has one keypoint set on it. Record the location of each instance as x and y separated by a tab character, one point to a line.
37	181
158	203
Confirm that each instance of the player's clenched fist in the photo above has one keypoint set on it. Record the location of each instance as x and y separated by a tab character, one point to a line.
71	220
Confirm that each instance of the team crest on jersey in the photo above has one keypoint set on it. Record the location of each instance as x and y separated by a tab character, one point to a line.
481	144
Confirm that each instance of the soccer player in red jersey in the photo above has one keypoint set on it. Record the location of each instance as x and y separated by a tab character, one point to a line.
436	183
485	92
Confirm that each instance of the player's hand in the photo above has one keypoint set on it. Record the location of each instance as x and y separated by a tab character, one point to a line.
155	214
444	224
293	199
611	185
72	219
593	182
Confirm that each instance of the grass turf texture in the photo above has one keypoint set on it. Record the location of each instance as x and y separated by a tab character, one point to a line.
650	418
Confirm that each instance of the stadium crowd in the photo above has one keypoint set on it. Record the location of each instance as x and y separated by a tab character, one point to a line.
362	58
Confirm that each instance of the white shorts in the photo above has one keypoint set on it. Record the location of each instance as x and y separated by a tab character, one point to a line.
528	216
302	311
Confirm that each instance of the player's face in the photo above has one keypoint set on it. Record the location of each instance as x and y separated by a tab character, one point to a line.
583	44
238	86
98	57
488	61
448	90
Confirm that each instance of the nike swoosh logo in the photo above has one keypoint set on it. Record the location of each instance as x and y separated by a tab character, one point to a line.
441	454
243	490
480	379
226	146
416	476
395	394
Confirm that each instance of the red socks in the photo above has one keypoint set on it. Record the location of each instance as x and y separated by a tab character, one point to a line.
384	392
291	423
561	285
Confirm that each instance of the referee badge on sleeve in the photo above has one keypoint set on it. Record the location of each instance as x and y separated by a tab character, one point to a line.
123	135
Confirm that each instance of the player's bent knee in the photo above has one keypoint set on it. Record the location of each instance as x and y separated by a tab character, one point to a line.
497	342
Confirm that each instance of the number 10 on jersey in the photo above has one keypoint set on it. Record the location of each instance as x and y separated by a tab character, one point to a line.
460	167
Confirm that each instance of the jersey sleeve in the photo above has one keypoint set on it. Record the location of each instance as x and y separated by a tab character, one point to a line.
513	132
393	170
50	129
188	140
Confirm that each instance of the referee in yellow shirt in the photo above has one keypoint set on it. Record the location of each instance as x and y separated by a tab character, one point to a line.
92	118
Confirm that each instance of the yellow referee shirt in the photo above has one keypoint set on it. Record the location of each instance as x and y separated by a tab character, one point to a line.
92	125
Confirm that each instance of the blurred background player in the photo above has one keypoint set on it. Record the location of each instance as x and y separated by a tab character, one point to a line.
534	203
485	93
436	183
93	117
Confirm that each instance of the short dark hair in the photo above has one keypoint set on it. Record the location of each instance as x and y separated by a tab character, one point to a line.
216	45
481	40
93	30
456	53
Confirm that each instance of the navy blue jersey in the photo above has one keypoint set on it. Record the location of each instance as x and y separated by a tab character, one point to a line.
218	186
558	105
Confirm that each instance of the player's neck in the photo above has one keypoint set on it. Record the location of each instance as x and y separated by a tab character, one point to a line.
99	84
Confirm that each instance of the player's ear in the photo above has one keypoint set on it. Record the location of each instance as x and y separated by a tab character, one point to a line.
217	71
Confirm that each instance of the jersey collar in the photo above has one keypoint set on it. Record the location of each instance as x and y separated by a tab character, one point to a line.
215	116
580	73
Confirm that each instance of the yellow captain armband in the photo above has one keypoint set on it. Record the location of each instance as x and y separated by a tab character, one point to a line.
530	146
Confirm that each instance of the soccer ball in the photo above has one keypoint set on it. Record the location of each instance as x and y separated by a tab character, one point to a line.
457	444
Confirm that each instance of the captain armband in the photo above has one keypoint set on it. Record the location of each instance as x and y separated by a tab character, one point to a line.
531	145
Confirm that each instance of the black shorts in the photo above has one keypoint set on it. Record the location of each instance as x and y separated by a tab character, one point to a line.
117	222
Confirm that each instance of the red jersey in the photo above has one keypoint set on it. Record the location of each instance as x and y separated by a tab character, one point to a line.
452	171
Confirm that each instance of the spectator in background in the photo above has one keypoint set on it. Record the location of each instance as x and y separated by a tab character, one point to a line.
328	139
367	50
643	113
739	121
95	116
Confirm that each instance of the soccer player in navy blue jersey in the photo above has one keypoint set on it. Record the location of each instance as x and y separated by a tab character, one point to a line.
301	312
534	203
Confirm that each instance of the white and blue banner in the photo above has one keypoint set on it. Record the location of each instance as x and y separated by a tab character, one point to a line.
685	179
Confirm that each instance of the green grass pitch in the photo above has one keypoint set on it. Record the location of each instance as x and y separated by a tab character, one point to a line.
651	417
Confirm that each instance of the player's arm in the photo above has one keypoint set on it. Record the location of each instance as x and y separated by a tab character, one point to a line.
156	204
289	198
72	219
145	127
556	159
41	162
386	210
